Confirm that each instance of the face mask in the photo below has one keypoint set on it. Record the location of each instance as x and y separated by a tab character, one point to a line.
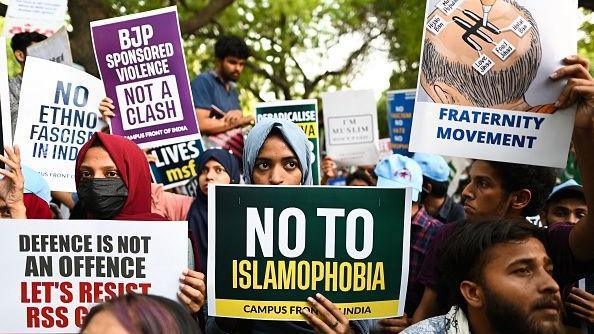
102	198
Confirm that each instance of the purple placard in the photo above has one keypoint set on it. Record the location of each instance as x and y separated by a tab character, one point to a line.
142	65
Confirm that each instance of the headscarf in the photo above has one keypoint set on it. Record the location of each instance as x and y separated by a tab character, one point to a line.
35	184
37	208
293	136
134	171
198	214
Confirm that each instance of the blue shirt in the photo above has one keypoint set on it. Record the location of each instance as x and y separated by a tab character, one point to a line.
209	89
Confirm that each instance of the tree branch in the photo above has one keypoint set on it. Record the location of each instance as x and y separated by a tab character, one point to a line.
276	80
348	65
204	16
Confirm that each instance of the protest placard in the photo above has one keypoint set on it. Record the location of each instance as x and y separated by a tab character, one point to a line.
485	91
55	48
142	63
55	271
401	105
288	243
350	125
304	113
175	164
5	117
42	16
58	113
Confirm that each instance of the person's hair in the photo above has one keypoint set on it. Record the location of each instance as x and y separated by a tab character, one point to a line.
465	256
147	314
23	40
494	87
360	175
231	46
438	189
537	179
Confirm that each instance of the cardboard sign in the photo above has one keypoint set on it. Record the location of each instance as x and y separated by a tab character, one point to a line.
485	91
58	114
401	105
55	48
175	164
42	16
304	113
350	123
349	243
142	64
55	271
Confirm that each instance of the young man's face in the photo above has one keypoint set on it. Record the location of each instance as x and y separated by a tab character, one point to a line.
231	68
484	196
519	293
568	210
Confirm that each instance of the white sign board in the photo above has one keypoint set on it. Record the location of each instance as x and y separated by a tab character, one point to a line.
55	271
43	16
350	123
485	91
55	48
58	113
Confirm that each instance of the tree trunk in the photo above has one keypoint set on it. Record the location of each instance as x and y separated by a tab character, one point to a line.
82	12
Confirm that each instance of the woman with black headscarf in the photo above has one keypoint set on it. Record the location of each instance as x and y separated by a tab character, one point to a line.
214	166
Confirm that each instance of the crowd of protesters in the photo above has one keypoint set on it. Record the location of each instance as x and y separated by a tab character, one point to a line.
475	267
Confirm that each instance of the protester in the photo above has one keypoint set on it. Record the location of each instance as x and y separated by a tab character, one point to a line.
498	189
172	206
214	166
435	199
216	98
398	171
132	314
19	44
113	182
363	175
501	280
566	204
359	179
12	204
277	153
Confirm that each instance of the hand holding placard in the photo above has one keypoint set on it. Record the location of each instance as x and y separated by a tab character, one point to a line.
12	185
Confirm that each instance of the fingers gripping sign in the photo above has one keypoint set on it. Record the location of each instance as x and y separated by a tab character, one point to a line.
330	320
12	184
192	290
581	304
106	108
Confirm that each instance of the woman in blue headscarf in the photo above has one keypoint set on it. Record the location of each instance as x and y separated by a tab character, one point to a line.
214	166
277	152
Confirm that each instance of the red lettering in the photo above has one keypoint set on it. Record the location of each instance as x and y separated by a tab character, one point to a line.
67	296
32	317
24	297
80	313
61	314
85	292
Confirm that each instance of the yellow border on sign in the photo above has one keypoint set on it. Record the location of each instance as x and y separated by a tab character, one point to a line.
239	309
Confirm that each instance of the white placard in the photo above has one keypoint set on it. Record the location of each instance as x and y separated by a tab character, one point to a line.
55	48
43	16
54	271
58	113
484	88
350	120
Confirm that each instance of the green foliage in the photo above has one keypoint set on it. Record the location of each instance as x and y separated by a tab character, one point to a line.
586	33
